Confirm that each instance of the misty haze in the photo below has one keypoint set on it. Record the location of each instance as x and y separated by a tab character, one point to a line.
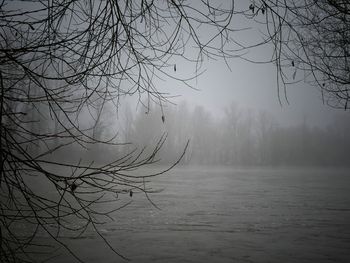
174	131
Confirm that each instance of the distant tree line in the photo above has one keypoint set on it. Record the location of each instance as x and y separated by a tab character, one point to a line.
240	137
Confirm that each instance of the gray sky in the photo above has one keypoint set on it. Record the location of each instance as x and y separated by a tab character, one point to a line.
253	86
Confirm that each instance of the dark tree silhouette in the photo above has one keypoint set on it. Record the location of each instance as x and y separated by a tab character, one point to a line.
311	41
62	63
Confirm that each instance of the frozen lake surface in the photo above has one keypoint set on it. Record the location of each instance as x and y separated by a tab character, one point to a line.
232	215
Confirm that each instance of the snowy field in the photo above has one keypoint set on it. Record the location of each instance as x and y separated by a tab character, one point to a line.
231	215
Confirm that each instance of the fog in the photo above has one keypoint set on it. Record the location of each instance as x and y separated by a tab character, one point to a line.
253	86
118	144
237	136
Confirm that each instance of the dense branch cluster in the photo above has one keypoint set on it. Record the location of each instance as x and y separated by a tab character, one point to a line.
311	40
62	63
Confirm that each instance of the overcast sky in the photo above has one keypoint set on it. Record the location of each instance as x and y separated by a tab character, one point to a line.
253	86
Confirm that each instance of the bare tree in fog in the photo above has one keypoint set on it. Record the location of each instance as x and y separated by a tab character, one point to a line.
62	63
311	40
